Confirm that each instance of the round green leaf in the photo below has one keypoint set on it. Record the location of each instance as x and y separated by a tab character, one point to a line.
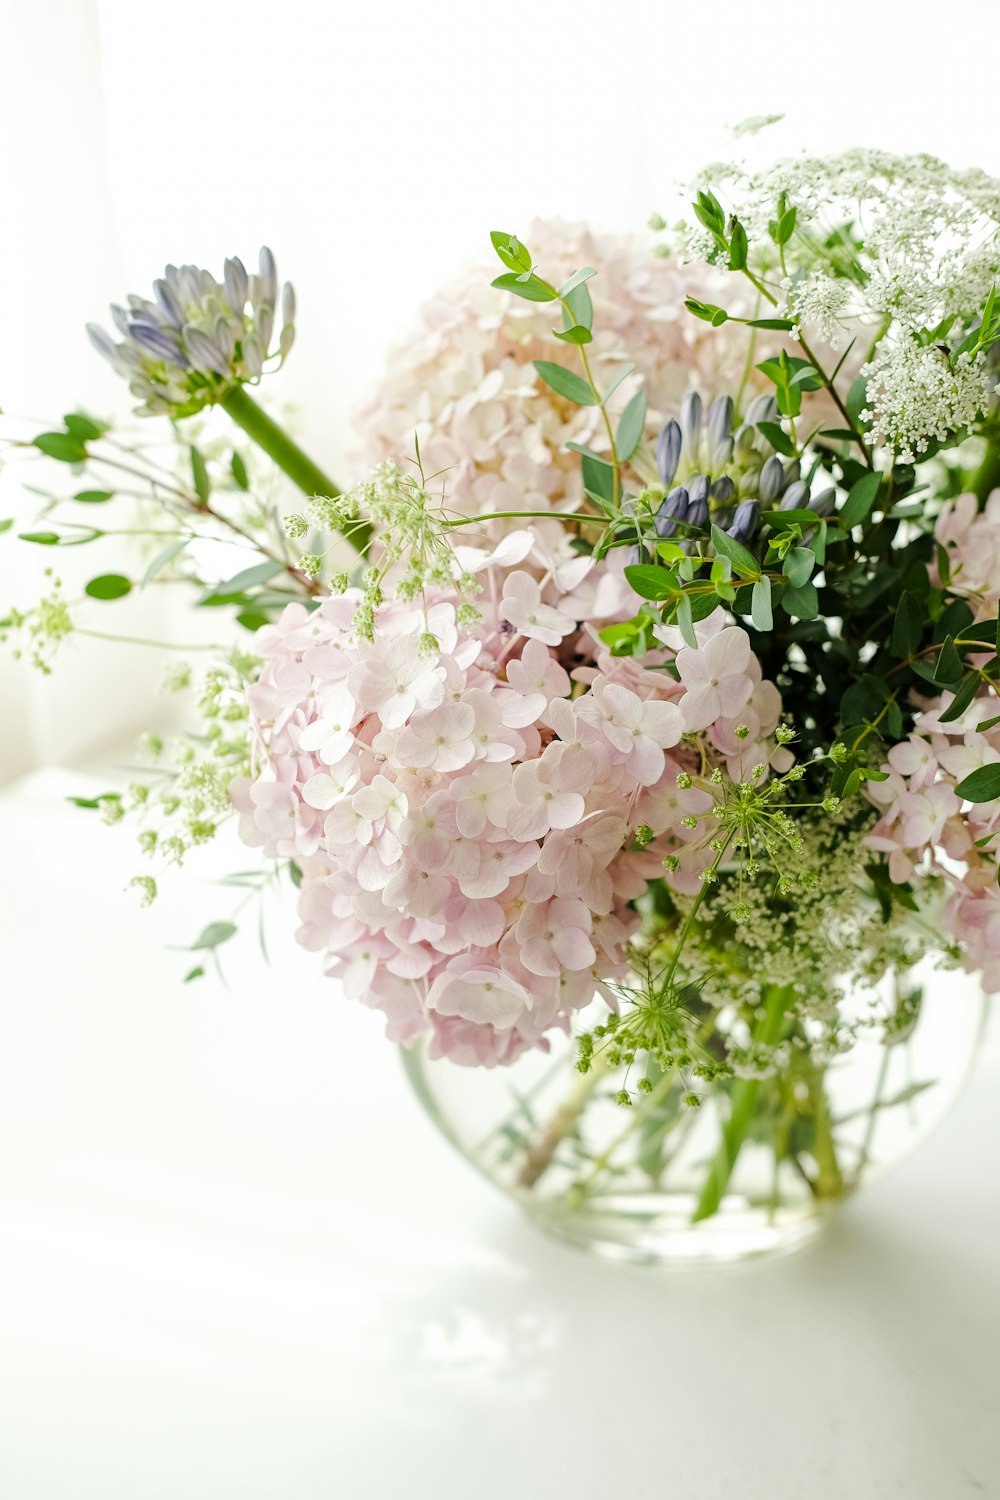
108	586
62	446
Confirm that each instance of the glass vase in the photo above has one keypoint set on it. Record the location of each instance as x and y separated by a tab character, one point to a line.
748	1166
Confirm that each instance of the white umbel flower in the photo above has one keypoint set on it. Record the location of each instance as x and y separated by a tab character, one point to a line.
917	393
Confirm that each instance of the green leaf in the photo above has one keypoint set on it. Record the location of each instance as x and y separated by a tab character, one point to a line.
598	478
213	935
162	558
860	499
962	699
784	325
630	426
259	573
93	497
738	247
981	785
109	586
195	973
532	290
6	523
777	437
92	804
579	308
948	668
577	279
575	335
565	383
623	374
514	255
798	565
238	469
908	626
760	605
981	729
252	619
708	312
43	538
785	227
802	603
199	476
685	621
744	562
62	446
85	429
649	582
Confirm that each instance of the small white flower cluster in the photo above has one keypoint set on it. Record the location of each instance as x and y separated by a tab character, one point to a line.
911	237
820	301
917	393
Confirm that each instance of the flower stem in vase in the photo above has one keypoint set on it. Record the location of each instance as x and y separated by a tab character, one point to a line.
561	1125
744	1097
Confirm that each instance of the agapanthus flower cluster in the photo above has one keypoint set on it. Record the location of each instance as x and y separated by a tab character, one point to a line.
472	826
199	337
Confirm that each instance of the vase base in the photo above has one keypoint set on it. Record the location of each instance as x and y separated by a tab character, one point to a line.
657	1229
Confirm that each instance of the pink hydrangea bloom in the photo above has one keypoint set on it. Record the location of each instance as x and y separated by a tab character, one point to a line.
469	862
465	381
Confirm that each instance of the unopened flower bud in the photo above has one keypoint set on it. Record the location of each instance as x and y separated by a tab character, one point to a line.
745	521
668	451
294	526
673	509
771	481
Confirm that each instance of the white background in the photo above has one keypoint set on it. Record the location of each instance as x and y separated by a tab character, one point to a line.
234	1262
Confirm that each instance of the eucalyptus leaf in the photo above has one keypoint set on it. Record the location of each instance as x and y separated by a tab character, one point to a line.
630	426
760	605
565	383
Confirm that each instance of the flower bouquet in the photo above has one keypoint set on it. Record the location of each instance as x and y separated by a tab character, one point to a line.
630	733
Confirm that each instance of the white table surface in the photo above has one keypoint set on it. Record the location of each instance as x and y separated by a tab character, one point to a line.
237	1263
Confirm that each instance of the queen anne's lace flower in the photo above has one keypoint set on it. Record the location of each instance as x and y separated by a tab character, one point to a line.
917	393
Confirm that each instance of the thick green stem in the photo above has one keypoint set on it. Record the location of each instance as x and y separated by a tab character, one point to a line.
289	457
987	477
745	1092
829	1181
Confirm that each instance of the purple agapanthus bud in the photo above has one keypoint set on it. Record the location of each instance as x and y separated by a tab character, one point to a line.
673	509
796	497
723	490
771	481
691	418
744	521
697	513
761	409
698	488
823	503
668	451
719	432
